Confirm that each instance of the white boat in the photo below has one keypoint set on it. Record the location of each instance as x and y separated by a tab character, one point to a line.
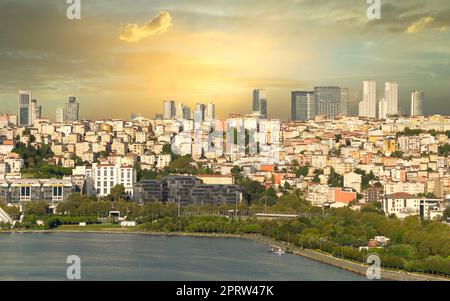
276	250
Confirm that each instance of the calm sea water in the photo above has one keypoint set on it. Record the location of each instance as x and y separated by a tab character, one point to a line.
31	256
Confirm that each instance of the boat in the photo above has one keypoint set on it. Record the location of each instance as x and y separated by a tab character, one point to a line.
276	250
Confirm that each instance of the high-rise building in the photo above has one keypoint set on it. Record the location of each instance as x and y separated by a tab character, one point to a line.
200	112
38	112
59	115
33	106
391	97
182	111
382	109
328	101
179	110
344	101
71	110
302	105
24	108
169	111
210	112
186	112
417	103
368	106
260	102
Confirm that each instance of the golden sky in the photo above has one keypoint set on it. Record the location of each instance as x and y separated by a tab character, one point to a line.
129	56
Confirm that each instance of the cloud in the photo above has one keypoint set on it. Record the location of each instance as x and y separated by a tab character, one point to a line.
133	33
420	24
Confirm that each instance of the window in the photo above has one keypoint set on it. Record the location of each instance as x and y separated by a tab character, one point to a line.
25	193
57	193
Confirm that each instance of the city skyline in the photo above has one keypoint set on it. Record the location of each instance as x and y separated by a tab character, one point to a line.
226	53
330	102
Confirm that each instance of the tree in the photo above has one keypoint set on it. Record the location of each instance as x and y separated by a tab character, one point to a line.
335	179
444	150
167	150
397	154
183	165
302	171
118	192
236	173
446	214
36	208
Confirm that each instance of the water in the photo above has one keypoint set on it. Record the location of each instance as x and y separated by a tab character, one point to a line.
33	256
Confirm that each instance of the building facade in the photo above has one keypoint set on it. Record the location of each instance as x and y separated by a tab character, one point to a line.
302	105
72	110
260	102
417	103
368	106
24	108
328	101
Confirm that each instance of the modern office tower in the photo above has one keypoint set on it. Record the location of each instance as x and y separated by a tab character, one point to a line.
24	108
200	112
186	112
368	106
182	111
382	109
71	110
38	111
179	110
344	101
33	106
260	102
328	101
302	105
210	111
417	103
391	97
60	115
169	111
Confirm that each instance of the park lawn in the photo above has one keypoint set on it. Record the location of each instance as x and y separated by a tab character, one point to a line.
95	227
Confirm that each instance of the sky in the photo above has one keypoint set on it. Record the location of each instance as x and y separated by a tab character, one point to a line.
129	56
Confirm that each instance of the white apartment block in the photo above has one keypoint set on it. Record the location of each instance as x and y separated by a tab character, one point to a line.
403	205
101	178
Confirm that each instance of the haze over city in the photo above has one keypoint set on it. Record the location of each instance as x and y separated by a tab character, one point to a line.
129	57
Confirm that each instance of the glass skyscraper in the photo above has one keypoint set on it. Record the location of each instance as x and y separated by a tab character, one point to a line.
72	110
260	102
24	108
417	101
302	105
328	101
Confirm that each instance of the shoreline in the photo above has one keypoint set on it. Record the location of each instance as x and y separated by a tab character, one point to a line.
357	268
